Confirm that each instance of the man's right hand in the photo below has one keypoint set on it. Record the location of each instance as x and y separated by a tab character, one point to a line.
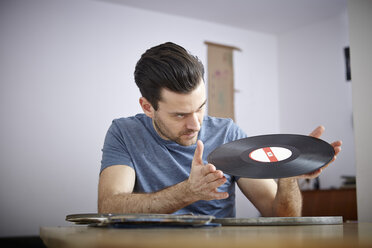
204	179
117	183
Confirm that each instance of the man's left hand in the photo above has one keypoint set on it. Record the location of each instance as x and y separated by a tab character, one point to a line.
336	146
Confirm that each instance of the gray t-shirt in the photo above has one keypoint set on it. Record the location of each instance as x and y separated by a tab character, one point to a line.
160	163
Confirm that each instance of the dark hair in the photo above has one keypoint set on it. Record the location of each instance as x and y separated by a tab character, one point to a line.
167	66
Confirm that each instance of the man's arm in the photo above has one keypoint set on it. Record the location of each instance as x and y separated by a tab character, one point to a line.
271	198
115	194
116	183
288	199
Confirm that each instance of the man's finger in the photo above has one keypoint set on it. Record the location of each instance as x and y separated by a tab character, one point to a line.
337	146
208	168
337	150
312	174
198	155
317	132
210	177
220	195
217	183
337	143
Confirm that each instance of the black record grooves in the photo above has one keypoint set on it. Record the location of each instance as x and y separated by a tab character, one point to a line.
247	157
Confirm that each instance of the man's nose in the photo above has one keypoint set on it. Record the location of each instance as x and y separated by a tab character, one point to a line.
193	122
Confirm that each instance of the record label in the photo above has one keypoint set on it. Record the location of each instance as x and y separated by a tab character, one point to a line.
270	154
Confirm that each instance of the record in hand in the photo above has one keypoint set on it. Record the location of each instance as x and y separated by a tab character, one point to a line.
272	156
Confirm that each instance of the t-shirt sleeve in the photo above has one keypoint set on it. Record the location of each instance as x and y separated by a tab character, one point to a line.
235	133
114	151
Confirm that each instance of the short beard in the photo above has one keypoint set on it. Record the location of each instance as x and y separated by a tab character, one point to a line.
161	129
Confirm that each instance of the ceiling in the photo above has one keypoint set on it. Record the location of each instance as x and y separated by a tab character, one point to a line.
268	16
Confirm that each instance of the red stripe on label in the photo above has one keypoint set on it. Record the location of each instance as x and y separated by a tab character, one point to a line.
270	154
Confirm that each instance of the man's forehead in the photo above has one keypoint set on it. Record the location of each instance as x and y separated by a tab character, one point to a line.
174	101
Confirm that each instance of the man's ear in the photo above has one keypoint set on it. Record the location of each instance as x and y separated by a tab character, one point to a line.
147	107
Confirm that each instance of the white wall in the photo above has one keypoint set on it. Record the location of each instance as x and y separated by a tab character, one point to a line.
361	54
66	70
313	90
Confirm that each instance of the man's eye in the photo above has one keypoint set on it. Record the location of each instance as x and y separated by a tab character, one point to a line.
180	116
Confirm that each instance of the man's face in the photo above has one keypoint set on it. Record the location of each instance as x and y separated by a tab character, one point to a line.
180	116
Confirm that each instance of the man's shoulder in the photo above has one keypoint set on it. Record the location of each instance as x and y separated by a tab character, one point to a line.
216	127
217	122
130	123
138	118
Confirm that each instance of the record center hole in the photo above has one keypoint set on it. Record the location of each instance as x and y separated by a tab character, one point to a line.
270	154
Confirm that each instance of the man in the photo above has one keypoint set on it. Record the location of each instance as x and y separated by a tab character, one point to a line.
156	162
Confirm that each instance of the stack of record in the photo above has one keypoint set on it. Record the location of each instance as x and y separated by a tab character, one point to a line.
168	220
280	221
142	220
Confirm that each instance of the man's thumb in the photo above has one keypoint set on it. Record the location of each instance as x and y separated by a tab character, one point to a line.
198	155
317	132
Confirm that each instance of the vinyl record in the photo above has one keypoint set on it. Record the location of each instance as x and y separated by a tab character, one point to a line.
141	220
281	221
272	156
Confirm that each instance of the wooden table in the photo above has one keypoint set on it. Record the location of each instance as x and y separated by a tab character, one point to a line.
344	235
